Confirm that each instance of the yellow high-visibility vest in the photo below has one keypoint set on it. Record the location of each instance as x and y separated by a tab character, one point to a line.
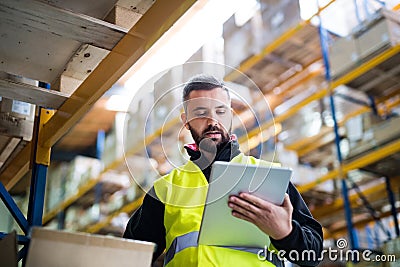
183	192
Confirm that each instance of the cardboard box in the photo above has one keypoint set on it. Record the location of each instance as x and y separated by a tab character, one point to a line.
375	135
8	250
49	248
244	39
343	55
384	32
369	39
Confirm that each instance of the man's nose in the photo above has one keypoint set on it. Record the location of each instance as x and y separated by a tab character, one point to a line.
212	121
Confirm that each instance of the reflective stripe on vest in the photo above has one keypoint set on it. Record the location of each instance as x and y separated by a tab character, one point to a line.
180	243
190	240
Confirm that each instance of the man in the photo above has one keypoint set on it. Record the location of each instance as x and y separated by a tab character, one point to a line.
171	213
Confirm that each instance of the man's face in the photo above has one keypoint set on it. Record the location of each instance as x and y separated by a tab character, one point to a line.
208	115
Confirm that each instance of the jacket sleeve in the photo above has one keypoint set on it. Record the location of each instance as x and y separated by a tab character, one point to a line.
147	224
306	237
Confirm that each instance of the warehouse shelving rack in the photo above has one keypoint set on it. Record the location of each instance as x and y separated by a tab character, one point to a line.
124	52
375	155
371	157
324	91
152	137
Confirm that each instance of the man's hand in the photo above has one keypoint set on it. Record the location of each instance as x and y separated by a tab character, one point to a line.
275	221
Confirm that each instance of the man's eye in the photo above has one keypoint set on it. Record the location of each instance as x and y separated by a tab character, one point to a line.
221	112
200	113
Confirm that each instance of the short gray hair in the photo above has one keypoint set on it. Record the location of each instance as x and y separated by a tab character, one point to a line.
202	82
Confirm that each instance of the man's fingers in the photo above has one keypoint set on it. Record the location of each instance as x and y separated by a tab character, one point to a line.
259	202
242	216
286	201
242	206
242	210
241	213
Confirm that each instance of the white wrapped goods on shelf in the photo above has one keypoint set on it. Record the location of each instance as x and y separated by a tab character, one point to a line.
343	55
380	33
16	117
114	143
65	179
55	186
368	40
50	248
371	134
80	171
246	36
167	97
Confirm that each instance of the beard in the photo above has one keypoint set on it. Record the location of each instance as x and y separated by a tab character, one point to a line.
207	143
209	147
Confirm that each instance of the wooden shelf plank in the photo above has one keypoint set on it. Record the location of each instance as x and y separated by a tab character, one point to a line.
64	23
32	94
8	149
19	167
37	40
159	18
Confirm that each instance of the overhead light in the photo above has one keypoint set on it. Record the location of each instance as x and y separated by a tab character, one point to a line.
118	103
247	12
175	47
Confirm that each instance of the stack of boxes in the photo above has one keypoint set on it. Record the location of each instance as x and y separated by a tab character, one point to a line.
369	39
64	180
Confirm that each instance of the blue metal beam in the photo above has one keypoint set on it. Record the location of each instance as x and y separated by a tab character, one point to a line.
370	239
392	202
354	100
371	210
373	104
377	237
61	220
13	208
38	180
21	239
383	3
358	16
22	254
348	213
101	136
36	196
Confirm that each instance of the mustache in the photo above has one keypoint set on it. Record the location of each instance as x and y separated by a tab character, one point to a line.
212	128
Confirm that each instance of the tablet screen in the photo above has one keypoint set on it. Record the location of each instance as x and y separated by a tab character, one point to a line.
218	226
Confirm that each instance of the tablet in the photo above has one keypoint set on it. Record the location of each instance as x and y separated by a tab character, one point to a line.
219	227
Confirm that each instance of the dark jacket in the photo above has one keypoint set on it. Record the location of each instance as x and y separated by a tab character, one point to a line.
147	223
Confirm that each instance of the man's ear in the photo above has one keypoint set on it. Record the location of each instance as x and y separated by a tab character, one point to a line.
184	120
